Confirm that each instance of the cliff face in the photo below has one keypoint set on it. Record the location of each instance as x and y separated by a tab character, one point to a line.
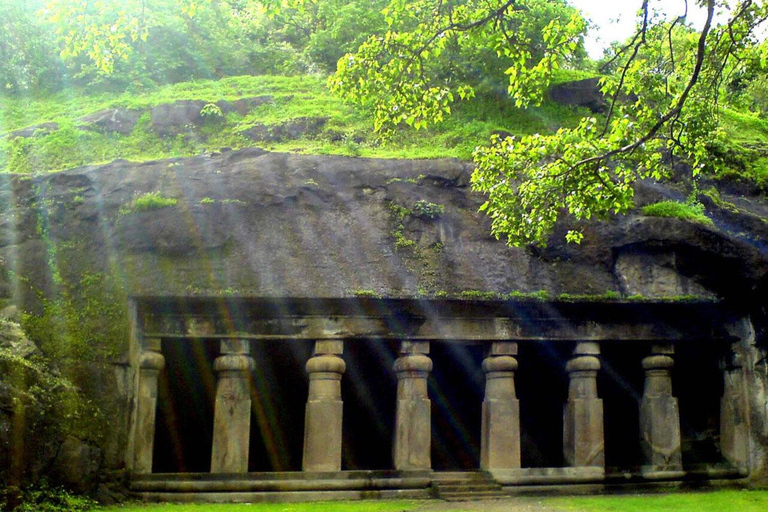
276	225
75	246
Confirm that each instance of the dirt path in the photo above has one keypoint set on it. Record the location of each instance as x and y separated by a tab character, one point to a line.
502	505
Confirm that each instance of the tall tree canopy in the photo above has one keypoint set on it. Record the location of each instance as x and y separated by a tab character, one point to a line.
664	94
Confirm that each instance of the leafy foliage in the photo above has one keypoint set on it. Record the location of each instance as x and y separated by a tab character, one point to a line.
414	72
28	52
664	98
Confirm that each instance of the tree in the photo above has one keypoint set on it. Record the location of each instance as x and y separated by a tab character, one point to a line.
27	51
663	99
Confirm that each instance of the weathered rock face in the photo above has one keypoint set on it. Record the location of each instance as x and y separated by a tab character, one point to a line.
277	225
74	248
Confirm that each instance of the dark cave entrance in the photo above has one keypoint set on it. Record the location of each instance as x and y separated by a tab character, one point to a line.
369	391
542	388
278	400
456	388
697	381
185	404
620	384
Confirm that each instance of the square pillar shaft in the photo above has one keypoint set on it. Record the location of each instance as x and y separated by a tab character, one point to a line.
583	430
734	412
413	430
500	428
324	412
232	413
659	416
150	365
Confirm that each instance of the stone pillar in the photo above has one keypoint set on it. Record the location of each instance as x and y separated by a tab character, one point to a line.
734	411
232	413
151	362
500	431
659	416
583	439
413	430
323	417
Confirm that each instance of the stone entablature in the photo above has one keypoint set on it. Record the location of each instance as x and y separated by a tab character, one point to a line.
432	320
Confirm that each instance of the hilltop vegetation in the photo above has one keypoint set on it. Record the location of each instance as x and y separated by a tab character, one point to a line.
345	130
418	79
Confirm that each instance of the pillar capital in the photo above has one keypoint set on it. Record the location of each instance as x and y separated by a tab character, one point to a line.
412	363
325	363
499	364
151	361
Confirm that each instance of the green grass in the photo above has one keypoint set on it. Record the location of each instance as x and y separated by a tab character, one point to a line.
715	501
347	132
678	210
719	501
328	506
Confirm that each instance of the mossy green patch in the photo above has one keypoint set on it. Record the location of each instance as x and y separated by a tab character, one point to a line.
149	201
677	210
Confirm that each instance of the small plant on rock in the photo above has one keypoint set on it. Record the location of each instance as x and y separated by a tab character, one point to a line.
148	201
427	210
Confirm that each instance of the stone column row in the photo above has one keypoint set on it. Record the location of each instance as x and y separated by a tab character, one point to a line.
583	428
583	436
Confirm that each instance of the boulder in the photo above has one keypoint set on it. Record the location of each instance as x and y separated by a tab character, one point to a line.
171	119
76	465
13	339
581	93
184	116
289	130
32	131
112	120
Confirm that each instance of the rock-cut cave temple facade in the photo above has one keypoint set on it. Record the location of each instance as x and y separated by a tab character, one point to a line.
296	327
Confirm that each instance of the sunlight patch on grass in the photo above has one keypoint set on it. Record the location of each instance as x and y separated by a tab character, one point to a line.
718	501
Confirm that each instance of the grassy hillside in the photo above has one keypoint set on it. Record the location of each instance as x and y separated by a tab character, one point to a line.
347	131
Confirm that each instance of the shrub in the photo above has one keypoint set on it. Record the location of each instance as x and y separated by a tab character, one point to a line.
427	210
